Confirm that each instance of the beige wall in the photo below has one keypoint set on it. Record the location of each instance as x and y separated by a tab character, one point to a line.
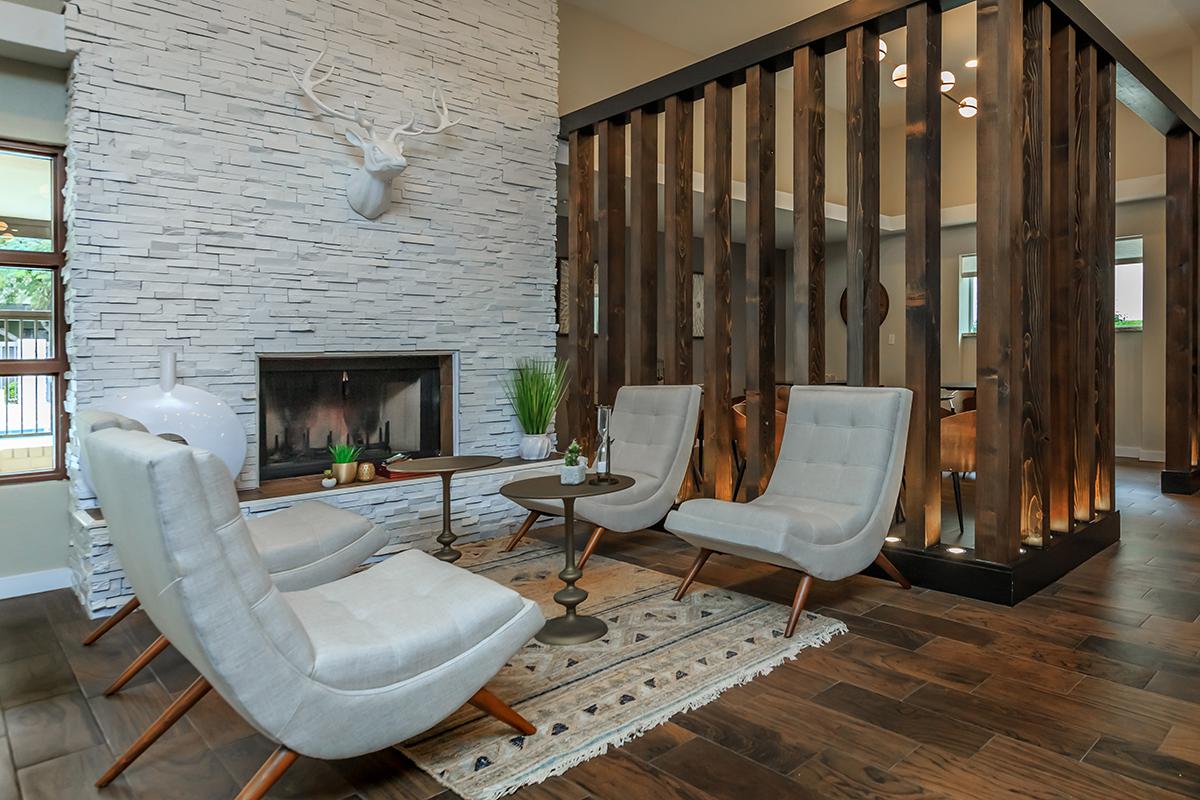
33	516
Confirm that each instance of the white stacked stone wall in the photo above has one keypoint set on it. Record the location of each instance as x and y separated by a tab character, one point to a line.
206	205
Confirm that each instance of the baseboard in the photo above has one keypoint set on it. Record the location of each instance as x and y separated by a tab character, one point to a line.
1140	454
34	582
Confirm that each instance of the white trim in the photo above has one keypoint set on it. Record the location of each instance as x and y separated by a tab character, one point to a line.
1127	451
34	582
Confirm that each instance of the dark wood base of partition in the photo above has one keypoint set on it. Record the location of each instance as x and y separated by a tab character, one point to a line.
1174	482
963	574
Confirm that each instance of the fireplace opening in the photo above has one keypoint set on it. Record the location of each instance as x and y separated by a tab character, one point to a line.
385	404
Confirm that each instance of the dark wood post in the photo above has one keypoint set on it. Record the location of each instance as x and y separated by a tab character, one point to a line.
1083	298
642	291
1105	269
862	207
581	416
718	165
610	351
760	279
923	282
677	228
808	235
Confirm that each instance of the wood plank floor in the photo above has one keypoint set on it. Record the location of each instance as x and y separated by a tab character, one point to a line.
1090	689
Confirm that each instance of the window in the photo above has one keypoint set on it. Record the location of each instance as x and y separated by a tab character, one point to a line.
968	295
1128	290
1127	296
32	359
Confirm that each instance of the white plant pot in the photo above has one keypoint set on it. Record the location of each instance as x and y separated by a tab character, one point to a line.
573	476
328	483
535	446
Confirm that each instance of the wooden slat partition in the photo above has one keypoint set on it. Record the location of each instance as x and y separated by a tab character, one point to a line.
862	207
760	279
1000	29
581	416
677	227
808	235
610	346
1181	317
923	282
1063	220
1105	270
641	316
1083	289
718	167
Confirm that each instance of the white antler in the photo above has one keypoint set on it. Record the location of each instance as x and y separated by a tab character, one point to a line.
439	107
307	84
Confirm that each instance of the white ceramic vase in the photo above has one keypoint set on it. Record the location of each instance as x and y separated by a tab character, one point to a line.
573	476
535	446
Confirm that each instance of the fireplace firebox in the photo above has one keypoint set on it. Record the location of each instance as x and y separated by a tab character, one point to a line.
387	404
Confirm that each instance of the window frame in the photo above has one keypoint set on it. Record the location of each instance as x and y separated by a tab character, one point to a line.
54	261
965	304
1140	261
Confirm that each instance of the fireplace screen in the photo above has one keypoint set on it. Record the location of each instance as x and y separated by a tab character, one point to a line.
385	404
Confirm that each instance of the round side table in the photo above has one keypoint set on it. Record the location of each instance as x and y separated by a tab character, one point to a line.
570	628
445	466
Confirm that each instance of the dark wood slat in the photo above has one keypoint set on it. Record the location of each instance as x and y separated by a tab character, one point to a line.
808	236
1063	220
677	234
610	272
1000	29
1083	303
1104	267
718	165
862	207
760	280
1035	282
641	317
923	282
581	416
1181	299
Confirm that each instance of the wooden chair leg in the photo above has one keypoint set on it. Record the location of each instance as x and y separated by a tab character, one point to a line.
590	547
489	704
177	709
268	774
798	604
887	566
521	531
110	623
697	565
139	663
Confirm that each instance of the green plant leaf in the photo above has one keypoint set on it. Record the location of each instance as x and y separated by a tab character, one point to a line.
535	388
345	453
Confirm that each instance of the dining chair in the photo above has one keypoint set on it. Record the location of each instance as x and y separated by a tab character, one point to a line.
958	453
337	671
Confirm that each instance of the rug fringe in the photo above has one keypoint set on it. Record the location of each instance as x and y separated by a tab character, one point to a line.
816	638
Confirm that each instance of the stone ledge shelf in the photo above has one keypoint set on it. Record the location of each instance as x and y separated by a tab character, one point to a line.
410	508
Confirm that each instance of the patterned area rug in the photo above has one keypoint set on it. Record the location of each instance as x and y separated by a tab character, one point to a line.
658	659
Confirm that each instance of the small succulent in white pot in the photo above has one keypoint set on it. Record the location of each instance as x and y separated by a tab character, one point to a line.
574	467
327	479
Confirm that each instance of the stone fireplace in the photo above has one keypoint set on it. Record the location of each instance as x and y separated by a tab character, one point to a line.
386	404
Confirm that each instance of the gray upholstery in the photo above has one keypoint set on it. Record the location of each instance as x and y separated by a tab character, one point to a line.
304	545
832	495
333	672
653	430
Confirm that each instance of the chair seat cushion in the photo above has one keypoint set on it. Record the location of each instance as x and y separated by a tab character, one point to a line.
404	616
305	534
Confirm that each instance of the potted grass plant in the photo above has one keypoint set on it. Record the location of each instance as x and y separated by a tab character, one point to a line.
535	388
345	461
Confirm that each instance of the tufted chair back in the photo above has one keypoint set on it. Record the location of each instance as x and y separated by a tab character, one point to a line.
844	446
173	516
653	428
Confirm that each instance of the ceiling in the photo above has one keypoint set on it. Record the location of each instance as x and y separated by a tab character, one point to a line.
706	27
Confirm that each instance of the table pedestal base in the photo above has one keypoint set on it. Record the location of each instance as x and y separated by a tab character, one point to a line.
571	630
447	537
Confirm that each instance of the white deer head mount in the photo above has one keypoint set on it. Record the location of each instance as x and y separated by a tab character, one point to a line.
369	189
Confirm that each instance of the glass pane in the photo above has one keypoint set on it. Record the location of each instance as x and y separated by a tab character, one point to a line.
1128	296
1129	248
26	202
27	422
26	313
967	265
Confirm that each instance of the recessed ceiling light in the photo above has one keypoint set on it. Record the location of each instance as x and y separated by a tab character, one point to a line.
900	76
958	551
947	80
882	49
972	63
968	107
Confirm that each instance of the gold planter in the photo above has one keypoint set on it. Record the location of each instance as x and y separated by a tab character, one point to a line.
366	472
345	473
